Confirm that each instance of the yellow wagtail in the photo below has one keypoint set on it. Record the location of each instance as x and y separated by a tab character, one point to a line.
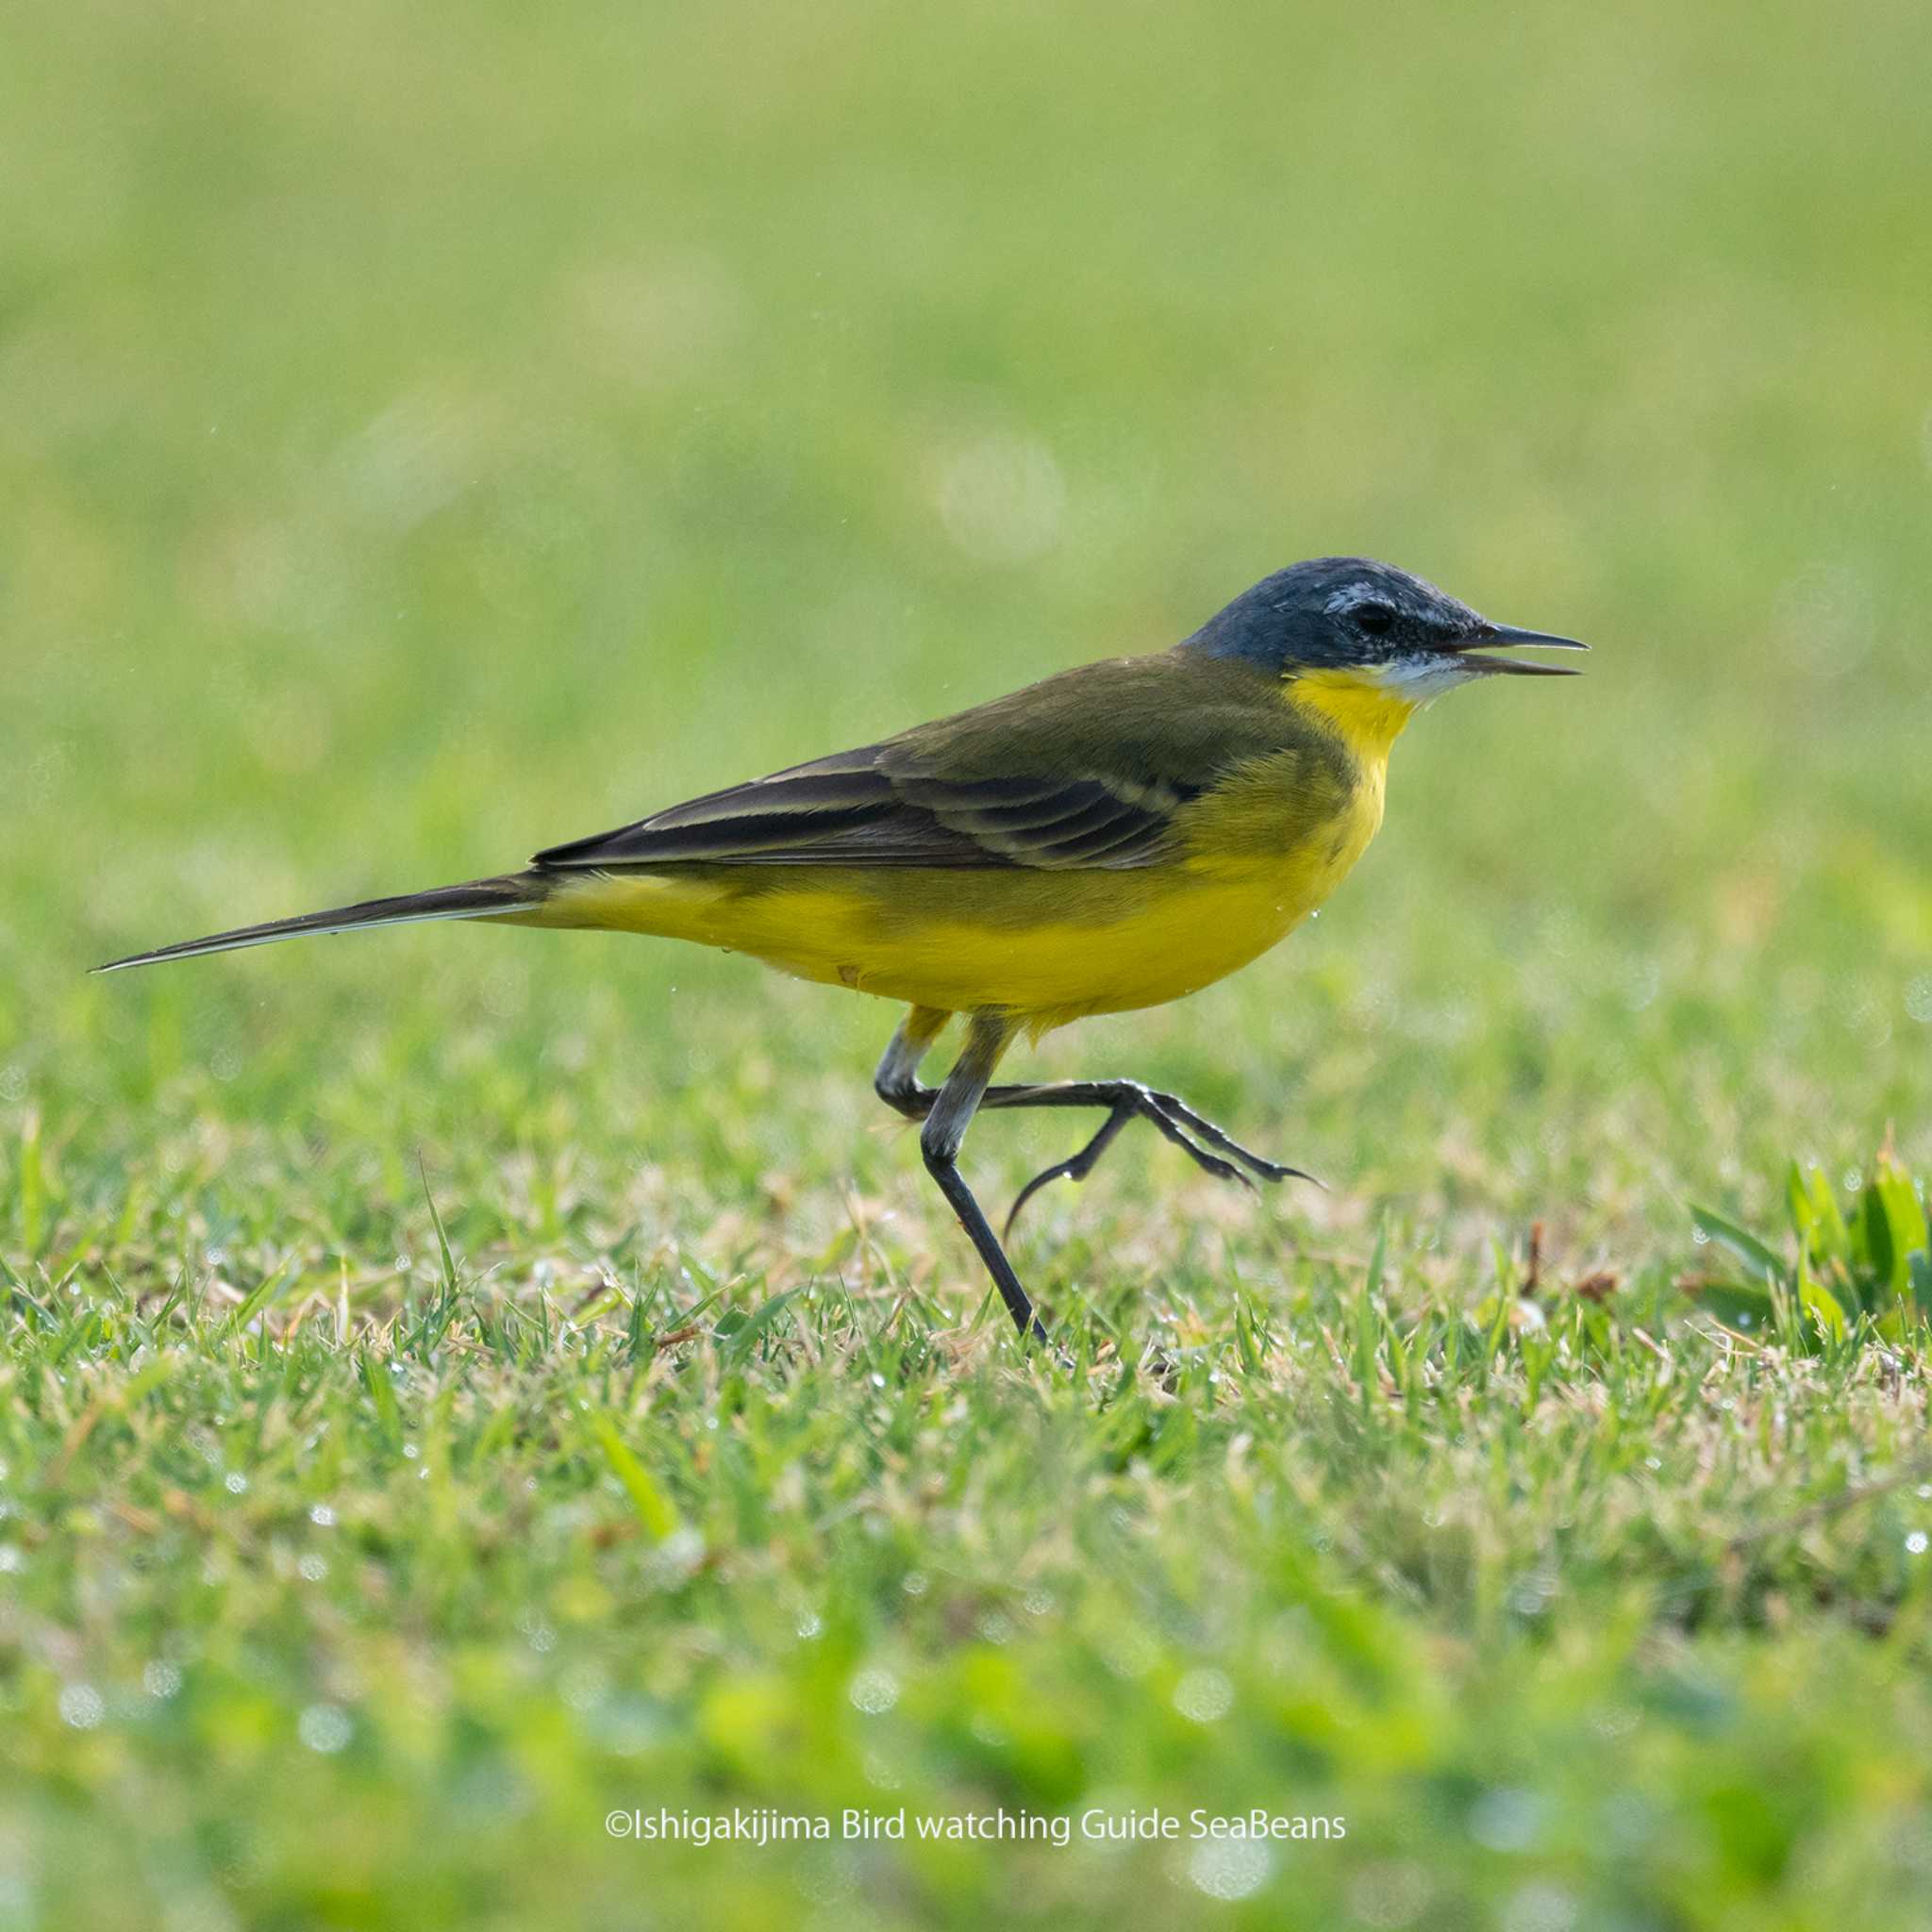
1114	836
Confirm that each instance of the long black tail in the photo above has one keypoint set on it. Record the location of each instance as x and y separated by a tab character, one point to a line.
479	899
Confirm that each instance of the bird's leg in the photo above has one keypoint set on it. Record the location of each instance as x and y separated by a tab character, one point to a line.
898	1085
896	1082
947	1113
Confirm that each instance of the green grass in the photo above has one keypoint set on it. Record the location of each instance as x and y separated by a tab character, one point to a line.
432	435
1558	1617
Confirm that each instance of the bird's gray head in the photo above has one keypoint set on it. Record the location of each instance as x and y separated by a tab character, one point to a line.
1367	621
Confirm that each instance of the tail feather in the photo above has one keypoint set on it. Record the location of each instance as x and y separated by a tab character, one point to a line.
479	899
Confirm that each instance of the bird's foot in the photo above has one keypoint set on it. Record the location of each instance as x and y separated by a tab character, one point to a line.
1197	1137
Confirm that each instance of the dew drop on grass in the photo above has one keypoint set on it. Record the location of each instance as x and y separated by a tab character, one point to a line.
235	1483
81	1707
1204	1696
873	1690
1917	1542
313	1568
160	1679
1230	1867
325	1727
1530	1595
322	1516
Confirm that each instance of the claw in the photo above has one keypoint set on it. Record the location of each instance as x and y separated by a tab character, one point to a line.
1275	1171
1077	1166
1179	1113
1032	1188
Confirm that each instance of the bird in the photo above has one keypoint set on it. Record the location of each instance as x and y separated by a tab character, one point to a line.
1117	836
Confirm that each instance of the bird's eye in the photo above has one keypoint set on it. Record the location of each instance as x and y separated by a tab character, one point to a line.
1376	619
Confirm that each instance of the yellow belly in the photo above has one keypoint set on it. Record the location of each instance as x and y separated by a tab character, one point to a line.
1051	945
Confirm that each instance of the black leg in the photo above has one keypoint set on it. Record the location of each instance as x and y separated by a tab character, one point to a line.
897	1084
947	1115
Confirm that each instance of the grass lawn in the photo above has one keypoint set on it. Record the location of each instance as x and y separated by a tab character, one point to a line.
460	1384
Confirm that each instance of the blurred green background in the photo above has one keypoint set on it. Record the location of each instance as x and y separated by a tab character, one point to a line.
429	439
429	434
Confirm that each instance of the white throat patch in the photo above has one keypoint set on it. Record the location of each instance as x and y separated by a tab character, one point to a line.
1420	676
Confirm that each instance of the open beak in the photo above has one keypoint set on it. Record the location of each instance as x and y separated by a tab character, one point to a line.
1516	667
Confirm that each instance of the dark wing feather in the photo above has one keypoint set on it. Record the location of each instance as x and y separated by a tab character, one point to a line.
1088	770
842	812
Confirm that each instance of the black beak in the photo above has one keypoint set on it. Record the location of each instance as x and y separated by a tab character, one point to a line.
1517	667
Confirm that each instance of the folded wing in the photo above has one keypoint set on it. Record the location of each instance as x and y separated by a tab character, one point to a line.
855	809
1089	769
